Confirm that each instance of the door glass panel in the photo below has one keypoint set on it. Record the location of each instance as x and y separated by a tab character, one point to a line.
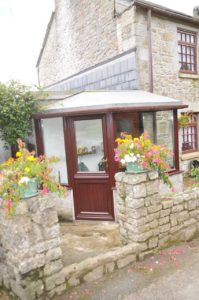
53	139
124	125
90	146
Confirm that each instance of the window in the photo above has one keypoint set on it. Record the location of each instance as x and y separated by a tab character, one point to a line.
187	51
53	138
159	125
189	135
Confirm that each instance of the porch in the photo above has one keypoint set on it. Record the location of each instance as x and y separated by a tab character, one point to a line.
81	129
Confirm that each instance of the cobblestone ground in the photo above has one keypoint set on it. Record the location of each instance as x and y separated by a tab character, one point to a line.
172	274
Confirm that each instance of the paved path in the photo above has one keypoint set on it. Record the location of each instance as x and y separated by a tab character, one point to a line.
173	274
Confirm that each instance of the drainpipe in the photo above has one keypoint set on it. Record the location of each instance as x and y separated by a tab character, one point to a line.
114	9
38	79
150	50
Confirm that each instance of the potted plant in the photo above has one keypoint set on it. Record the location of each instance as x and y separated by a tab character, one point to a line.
184	119
141	155
20	177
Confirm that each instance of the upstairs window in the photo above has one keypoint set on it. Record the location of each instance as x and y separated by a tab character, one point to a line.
187	51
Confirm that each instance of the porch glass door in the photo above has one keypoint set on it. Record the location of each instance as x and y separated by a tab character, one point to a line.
92	191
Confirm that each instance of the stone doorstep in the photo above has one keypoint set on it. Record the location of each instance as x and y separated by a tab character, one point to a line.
96	267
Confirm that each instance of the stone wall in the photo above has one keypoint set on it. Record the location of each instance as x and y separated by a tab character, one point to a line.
167	79
77	38
100	35
30	253
151	220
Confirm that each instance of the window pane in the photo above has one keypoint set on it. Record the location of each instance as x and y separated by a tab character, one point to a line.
90	146
53	138
164	132
183	37
148	124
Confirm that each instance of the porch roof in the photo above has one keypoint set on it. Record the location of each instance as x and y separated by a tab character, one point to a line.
90	102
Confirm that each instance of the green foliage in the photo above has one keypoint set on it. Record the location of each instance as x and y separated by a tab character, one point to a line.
195	172
184	119
18	105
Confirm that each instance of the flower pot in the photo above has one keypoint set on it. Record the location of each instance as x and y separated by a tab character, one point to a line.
134	167
30	189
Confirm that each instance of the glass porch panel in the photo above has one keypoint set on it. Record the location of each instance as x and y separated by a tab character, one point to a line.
165	132
90	145
148	124
53	139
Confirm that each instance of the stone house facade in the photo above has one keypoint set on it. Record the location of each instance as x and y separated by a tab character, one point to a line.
145	55
124	44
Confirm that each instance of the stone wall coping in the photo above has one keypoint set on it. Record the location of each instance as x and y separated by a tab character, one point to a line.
79	270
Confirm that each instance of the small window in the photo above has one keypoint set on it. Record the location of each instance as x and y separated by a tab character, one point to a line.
187	51
189	135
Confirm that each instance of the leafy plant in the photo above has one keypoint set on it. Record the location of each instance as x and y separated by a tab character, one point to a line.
16	173
18	105
184	119
143	151
194	172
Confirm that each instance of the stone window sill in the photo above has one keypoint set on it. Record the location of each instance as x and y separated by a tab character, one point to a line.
189	76
191	155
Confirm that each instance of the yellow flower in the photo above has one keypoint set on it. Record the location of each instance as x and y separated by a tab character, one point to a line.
31	158
18	154
27	169
8	161
136	139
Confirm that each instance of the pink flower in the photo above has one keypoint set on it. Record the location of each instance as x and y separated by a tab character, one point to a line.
156	160
173	190
45	190
150	153
8	204
146	135
116	157
145	165
154	151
